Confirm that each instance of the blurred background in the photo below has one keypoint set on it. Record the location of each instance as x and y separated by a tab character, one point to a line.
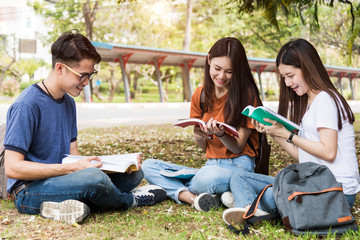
28	27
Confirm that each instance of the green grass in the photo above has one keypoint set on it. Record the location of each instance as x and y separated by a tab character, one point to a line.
143	98
166	220
118	98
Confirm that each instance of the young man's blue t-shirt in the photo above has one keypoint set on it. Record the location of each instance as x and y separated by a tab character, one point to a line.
40	127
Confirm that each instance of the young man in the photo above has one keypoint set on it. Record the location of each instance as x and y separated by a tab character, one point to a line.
41	129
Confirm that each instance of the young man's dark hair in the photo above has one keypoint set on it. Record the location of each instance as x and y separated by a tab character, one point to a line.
71	48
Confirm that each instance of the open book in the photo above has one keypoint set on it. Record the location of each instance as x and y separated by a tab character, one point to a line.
184	173
112	163
261	112
195	121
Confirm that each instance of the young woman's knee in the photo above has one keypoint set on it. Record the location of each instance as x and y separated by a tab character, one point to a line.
148	163
210	176
238	178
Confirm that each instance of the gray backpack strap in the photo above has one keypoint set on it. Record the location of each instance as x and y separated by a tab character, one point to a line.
249	217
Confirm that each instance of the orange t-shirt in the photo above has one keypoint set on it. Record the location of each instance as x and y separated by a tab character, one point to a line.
214	147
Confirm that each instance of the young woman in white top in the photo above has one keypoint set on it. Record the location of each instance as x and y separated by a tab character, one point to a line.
309	98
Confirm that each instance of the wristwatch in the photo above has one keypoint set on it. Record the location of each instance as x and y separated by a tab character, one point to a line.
289	140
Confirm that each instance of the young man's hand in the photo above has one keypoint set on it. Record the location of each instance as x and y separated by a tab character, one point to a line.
88	162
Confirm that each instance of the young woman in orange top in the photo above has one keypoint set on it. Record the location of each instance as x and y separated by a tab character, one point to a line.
228	88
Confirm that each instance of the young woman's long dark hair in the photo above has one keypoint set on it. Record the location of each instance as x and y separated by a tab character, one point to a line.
242	89
301	54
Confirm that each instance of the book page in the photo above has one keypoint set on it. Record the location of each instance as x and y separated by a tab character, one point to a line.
195	121
111	163
189	122
119	163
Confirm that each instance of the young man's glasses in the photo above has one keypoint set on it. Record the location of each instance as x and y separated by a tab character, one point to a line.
83	76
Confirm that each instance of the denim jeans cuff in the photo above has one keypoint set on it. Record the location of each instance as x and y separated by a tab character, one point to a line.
134	203
178	191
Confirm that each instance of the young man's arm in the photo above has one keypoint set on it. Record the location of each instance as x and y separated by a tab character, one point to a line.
18	168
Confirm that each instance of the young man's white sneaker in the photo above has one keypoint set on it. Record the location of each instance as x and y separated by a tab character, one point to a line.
205	202
148	195
70	211
235	216
227	199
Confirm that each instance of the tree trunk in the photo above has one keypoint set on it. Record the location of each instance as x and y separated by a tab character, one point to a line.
97	94
89	16
187	38
4	70
112	81
136	77
7	67
186	88
186	47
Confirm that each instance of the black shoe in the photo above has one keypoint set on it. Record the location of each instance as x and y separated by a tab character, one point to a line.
159	193
148	195
205	202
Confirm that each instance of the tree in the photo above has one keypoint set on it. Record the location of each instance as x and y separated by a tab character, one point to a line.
186	47
89	16
307	12
271	7
8	59
187	37
29	66
61	16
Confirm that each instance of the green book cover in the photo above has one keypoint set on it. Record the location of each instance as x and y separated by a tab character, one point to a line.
261	112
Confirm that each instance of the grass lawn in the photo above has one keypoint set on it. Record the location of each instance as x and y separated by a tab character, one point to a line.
166	220
140	98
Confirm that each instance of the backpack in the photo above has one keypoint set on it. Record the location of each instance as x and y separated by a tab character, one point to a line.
262	156
309	199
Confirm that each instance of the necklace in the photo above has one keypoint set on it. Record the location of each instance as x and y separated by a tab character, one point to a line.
47	90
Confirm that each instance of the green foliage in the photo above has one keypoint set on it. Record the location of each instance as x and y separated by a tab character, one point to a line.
29	66
24	85
310	14
271	9
61	16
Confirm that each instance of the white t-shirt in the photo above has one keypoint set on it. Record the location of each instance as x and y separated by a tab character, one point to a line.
323	114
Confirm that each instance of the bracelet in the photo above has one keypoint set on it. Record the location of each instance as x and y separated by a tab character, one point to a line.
289	140
220	135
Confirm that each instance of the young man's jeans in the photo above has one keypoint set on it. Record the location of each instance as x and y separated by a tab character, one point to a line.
213	178
90	186
246	186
